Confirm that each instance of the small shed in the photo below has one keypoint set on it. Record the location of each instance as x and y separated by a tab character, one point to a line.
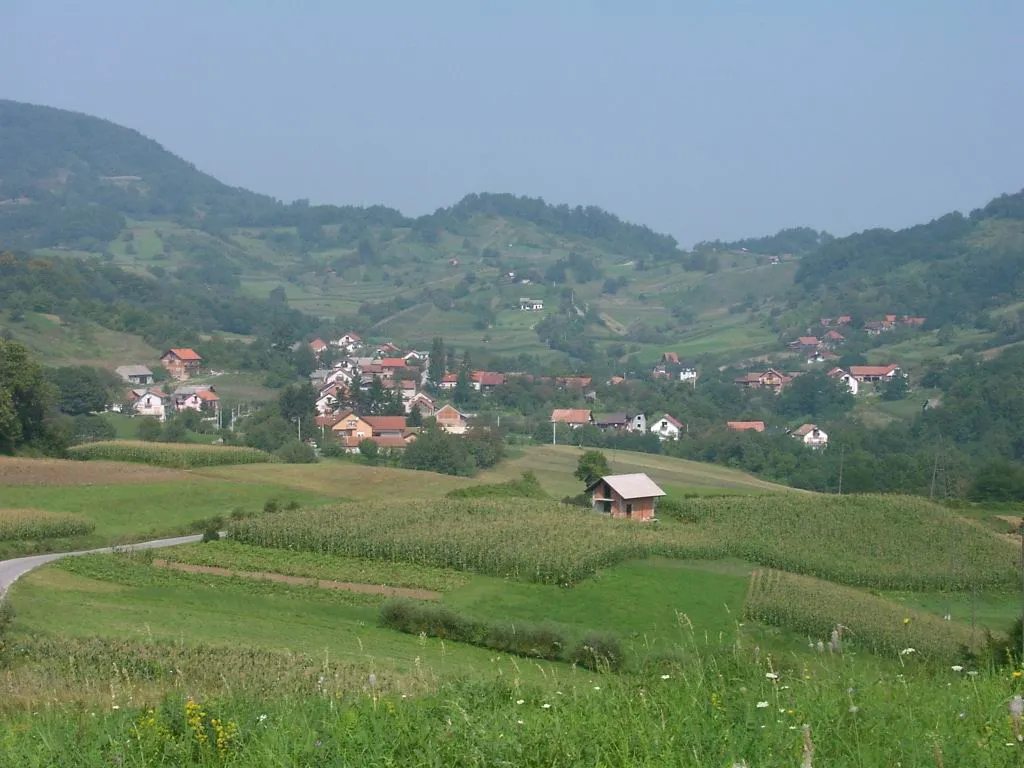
631	496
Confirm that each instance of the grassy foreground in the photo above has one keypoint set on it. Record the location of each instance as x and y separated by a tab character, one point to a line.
731	706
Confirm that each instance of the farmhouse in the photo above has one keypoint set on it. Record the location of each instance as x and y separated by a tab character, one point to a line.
319	346
667	427
869	373
181	363
530	305
196	399
811	435
452	420
805	342
150	402
485	381
422	402
745	426
629	496
770	379
135	374
851	383
574	417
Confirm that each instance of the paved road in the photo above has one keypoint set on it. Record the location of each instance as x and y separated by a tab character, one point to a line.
12	570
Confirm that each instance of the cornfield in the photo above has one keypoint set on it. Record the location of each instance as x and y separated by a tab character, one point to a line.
886	542
815	607
176	455
870	541
523	540
33	524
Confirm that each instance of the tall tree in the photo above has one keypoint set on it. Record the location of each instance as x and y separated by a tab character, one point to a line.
591	466
81	389
436	369
297	403
25	397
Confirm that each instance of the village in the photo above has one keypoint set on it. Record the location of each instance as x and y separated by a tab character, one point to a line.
349	366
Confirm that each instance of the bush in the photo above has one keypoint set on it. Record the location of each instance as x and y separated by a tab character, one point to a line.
212	533
271	506
531	641
598	652
6	619
526	487
294	452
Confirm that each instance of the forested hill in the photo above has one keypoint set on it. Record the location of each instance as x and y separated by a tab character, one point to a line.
948	270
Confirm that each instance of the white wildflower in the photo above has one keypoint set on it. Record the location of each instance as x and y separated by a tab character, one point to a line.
771	675
854	709
519	721
762	705
665	677
115	707
597	687
373	680
972	672
957	668
262	718
545	706
1017	707
520	701
908	651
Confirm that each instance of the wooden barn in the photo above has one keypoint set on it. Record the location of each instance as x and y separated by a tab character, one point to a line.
631	496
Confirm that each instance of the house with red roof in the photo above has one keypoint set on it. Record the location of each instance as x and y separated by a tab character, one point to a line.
181	362
770	379
319	346
745	426
574	417
811	435
485	381
874	373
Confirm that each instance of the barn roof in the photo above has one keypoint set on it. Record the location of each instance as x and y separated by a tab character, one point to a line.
635	486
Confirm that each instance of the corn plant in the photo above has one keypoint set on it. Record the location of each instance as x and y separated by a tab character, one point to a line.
176	455
31	524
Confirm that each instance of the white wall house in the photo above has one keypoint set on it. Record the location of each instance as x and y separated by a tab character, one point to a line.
148	402
667	427
851	383
811	436
637	423
687	373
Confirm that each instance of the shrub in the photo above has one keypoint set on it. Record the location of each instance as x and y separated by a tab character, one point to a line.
598	652
271	506
212	533
525	487
294	452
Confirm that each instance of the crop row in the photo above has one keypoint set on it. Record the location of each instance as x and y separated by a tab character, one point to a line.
34	524
816	608
875	541
176	455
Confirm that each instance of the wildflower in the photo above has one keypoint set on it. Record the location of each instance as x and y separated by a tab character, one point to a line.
1017	673
854	709
906	620
947	617
115	707
545	706
519	721
790	711
520	701
762	705
972	672
597	687
962	715
908	651
262	718
771	675
373	680
957	668
665	677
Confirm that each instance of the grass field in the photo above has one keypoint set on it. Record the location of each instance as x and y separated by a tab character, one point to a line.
55	342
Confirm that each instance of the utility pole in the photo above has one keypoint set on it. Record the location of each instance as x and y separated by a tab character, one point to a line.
300	428
554	432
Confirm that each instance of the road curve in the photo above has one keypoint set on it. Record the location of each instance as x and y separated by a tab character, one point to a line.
12	570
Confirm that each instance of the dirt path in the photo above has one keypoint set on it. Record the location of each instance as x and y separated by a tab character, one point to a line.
348	586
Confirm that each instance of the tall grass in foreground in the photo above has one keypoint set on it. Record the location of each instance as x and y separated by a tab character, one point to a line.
174	455
31	524
725	706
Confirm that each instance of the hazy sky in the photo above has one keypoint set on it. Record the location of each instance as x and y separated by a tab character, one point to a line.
703	119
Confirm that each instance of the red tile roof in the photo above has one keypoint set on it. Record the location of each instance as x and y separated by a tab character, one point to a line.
804	430
183	353
571	415
207	395
809	341
872	370
672	420
385	423
389	441
488	378
318	345
743	426
392	362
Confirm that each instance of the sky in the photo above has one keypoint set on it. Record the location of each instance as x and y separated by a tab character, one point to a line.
710	119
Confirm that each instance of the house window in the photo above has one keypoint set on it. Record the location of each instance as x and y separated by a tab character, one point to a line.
629	510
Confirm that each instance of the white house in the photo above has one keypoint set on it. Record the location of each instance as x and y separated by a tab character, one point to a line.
688	373
811	436
637	423
530	305
851	383
667	427
348	342
150	402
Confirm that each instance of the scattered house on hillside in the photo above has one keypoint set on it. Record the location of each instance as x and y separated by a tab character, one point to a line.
451	419
614	381
319	346
420	401
448	381
667	427
844	320
574	417
389	366
318	378
611	422
874	373
530	305
770	379
201	399
851	383
878	327
139	375
181	363
149	402
387	426
387	349
916	322
416	357
811	435
350	428
625	496
670	358
745	426
393	442
805	343
485	381
688	372
834	337
348	341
